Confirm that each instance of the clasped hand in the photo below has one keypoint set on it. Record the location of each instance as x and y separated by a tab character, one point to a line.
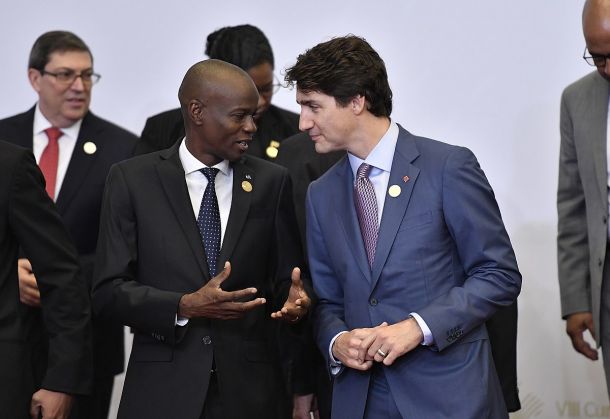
359	348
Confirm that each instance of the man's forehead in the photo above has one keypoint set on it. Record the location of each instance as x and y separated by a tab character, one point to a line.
70	58
312	96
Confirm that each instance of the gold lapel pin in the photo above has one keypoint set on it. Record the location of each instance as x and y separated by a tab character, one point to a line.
246	186
394	191
89	147
273	149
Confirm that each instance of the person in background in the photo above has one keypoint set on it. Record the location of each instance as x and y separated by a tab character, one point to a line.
74	149
582	194
28	219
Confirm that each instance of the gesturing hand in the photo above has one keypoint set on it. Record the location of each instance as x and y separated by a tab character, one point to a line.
213	302
298	301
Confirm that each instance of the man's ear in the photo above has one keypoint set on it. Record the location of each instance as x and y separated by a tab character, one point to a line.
196	111
34	76
358	104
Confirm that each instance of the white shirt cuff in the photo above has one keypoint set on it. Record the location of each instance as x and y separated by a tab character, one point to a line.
335	365
428	338
181	321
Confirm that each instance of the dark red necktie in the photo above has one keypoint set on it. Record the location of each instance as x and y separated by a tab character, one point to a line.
49	159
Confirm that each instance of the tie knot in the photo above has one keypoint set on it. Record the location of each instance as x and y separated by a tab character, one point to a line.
210	173
53	133
363	170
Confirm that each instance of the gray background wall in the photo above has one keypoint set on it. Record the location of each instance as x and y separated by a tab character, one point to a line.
486	75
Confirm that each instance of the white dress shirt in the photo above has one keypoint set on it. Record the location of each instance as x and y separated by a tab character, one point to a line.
196	182
66	144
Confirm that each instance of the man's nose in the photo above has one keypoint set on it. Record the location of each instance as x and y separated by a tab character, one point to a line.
305	123
250	125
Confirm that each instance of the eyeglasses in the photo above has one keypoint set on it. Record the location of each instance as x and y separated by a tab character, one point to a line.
69	76
595	60
270	88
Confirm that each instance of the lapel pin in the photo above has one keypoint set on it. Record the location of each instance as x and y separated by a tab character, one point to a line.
89	147
246	186
248	177
273	149
405	179
394	191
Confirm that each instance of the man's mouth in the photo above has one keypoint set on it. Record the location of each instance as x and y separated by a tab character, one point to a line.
243	144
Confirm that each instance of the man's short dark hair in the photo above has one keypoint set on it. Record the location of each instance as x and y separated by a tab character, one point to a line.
245	46
54	41
343	68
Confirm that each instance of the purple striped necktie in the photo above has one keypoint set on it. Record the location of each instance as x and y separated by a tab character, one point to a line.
366	209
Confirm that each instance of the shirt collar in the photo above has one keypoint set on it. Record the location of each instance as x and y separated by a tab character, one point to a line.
191	164
382	155
41	124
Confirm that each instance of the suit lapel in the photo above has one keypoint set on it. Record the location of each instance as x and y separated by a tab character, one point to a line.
346	212
598	112
404	175
80	161
171	176
240	205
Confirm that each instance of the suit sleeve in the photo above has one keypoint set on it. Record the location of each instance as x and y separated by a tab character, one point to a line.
117	294
572	237
328	315
65	301
492	279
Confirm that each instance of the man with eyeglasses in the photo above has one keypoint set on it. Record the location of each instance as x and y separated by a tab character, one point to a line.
582	195
74	150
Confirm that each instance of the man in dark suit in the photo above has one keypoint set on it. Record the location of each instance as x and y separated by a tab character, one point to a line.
29	219
247	47
299	156
204	341
407	250
75	150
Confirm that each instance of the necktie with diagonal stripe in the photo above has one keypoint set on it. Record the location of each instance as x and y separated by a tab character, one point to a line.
366	209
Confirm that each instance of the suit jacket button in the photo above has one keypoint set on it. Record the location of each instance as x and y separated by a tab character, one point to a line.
373	302
206	340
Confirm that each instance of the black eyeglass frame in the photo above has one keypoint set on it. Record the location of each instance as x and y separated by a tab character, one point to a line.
69	76
592	58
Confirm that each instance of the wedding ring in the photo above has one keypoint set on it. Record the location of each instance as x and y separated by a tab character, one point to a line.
380	352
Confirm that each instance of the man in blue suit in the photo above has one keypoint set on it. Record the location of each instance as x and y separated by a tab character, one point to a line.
407	250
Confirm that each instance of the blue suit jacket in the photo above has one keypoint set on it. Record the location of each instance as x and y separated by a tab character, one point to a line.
442	252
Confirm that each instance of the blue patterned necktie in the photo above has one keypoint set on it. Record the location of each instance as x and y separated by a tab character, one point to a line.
366	209
208	221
